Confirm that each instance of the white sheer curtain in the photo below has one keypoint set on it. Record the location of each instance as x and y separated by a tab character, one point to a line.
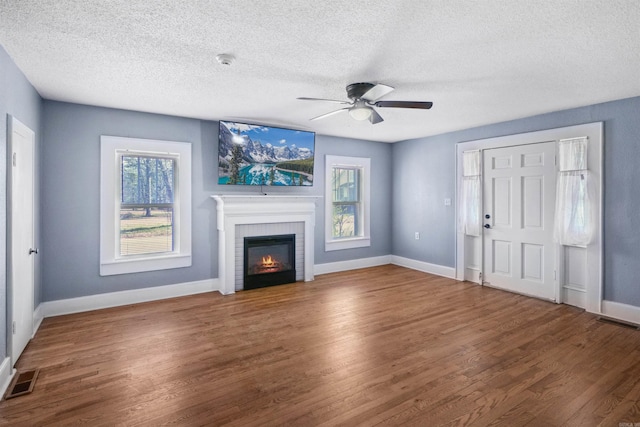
470	193
573	218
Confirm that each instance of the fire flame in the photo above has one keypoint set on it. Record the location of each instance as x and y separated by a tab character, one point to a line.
268	261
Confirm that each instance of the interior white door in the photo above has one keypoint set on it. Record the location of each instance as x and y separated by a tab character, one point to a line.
21	226
519	203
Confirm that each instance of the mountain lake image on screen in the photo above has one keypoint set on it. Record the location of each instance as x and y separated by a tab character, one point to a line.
264	155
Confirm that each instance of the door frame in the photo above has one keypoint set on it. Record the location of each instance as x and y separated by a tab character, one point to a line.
594	252
12	125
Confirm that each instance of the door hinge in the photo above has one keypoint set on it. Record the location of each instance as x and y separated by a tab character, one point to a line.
555	274
13	159
13	327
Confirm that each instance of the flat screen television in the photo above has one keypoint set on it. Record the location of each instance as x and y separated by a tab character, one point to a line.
264	155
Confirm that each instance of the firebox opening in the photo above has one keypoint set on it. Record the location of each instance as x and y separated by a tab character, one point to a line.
269	261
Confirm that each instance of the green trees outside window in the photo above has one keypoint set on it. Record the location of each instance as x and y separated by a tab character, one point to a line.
345	184
146	204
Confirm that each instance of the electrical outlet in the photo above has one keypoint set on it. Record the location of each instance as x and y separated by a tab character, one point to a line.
417	235
447	202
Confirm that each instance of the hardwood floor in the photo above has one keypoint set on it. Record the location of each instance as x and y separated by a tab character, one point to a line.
384	345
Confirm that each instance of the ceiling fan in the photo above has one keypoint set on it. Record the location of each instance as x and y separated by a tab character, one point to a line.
363	98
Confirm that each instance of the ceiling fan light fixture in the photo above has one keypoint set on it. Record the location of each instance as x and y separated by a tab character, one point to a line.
360	112
364	96
225	59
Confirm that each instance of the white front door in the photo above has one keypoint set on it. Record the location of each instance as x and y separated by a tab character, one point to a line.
21	226
519	203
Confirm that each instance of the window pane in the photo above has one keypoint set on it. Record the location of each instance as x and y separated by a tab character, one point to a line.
345	185
146	230
147	180
344	220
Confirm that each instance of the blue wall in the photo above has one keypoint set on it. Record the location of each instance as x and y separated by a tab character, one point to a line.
423	177
19	99
71	190
380	155
71	198
426	166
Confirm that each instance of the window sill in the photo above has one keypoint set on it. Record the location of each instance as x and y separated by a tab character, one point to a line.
336	245
139	265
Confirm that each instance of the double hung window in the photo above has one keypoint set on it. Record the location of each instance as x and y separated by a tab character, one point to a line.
347	196
146	201
145	205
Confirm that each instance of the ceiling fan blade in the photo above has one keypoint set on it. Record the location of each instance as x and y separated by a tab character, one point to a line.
404	104
322	116
378	91
375	117
323	99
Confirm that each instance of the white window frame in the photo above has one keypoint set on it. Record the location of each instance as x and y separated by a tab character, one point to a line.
111	149
364	239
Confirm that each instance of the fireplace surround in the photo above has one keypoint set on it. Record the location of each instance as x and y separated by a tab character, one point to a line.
234	210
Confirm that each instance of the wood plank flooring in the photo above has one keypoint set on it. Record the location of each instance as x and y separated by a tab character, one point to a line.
378	346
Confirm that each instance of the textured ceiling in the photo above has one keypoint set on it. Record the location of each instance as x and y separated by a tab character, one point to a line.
480	62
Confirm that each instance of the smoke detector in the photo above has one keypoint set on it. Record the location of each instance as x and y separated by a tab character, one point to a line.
225	59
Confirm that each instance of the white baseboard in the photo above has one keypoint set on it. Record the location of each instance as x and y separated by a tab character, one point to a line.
115	299
574	296
335	267
425	267
5	375
616	310
38	317
471	274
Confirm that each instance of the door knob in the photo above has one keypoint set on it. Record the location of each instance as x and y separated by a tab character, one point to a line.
33	251
487	226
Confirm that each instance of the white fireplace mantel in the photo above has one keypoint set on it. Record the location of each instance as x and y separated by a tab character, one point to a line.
235	210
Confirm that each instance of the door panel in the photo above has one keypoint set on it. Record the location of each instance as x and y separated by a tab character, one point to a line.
502	201
502	258
532	203
21	264
533	262
519	199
